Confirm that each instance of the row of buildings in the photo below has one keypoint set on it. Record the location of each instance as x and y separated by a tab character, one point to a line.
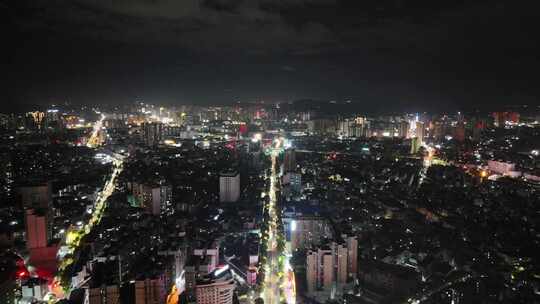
330	267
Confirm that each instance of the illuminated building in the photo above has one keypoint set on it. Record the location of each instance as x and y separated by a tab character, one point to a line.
420	131
500	167
321	126
403	129
459	132
363	128
319	269
52	115
34	289
212	254
437	131
416	143
42	254
303	231
53	119
154	198
332	265
153	133
293	180
312	270
501	118
341	256
216	288
305	116
242	129
38	229
347	128
251	275
478	128
229	186
202	261
37	116
175	274
352	247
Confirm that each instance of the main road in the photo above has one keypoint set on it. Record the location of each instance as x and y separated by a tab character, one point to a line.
95	138
71	243
277	286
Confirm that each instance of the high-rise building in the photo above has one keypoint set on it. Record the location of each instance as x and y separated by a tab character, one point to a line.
478	127
150	291
321	126
289	161
37	117
304	227
36	196
363	127
404	129
459	132
293	180
53	119
347	128
154	198
420	131
326	270
211	254
161	202
229	186
145	291
312	262
215	290
332	265
352	247
341	255
437	132
501	118
38	229
304	231
153	133
320	269
415	145
175	271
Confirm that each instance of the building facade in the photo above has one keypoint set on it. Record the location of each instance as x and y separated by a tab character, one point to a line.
229	187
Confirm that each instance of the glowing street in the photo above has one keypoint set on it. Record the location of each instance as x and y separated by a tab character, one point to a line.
75	235
279	279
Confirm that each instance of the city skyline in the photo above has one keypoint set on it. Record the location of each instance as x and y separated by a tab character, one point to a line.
270	152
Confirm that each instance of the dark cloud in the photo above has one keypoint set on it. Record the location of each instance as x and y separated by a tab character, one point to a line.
296	25
263	26
199	25
416	50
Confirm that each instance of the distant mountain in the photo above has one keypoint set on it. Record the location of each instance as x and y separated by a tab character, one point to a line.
319	107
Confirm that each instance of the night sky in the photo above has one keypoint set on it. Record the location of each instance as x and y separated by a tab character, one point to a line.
377	53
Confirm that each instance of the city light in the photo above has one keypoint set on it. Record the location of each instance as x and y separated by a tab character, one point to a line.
256	137
22	274
337	174
221	270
